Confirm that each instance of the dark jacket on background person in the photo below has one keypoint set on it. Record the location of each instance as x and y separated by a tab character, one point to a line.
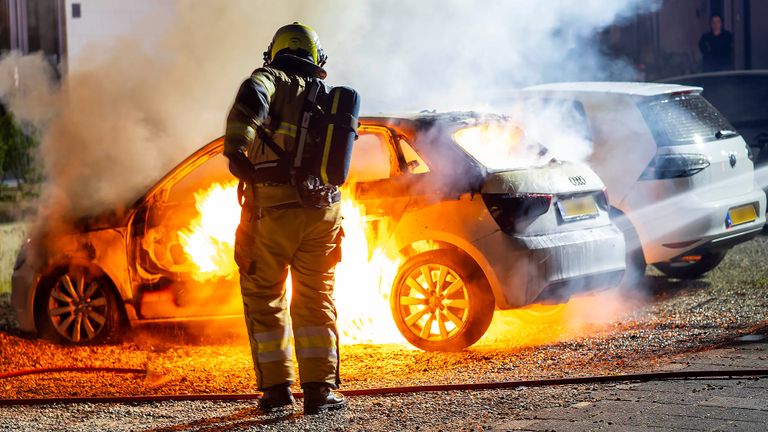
717	51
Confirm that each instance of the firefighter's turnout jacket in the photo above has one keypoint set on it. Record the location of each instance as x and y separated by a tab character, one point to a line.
282	234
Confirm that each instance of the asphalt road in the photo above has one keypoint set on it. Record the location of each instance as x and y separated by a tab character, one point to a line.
657	327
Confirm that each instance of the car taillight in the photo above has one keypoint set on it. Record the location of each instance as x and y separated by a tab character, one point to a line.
514	211
601	198
674	165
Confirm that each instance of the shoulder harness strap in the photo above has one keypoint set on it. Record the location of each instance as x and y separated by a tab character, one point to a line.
309	108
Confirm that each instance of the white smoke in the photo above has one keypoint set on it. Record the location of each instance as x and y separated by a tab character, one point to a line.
440	54
27	89
131	110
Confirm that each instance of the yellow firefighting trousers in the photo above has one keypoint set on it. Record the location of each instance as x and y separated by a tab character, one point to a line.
308	240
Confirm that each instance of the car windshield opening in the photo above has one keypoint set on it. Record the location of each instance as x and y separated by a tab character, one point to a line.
500	146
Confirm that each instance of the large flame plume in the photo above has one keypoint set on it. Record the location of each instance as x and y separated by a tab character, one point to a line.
209	240
363	277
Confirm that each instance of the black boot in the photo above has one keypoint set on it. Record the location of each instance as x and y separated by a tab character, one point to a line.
277	396
319	397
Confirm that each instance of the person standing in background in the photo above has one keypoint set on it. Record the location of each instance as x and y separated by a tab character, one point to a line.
716	46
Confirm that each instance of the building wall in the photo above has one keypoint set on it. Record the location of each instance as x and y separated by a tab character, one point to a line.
5	28
681	24
759	27
105	22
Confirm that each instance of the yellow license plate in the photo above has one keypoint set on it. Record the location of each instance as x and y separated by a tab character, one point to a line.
577	208
741	215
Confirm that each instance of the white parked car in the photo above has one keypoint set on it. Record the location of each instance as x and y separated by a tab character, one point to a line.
679	177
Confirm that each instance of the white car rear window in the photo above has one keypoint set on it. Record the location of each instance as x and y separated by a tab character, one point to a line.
684	119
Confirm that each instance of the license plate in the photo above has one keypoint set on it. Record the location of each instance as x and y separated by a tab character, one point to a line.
740	215
577	208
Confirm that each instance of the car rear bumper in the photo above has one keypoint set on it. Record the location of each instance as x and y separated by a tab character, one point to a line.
721	243
576	261
573	261
700	226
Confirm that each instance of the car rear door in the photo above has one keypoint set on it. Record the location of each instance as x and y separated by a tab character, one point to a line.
387	176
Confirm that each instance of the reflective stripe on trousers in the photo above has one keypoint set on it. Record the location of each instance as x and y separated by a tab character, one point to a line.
274	345
306	240
315	342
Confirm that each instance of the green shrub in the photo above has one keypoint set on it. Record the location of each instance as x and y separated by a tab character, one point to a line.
18	144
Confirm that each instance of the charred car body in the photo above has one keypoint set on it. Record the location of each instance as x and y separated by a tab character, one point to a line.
478	228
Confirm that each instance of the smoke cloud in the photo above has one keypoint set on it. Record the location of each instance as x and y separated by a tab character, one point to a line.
131	109
27	89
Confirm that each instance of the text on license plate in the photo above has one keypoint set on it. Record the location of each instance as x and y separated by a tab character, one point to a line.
577	208
740	215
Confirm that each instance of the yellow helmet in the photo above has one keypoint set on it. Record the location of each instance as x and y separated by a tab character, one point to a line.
296	40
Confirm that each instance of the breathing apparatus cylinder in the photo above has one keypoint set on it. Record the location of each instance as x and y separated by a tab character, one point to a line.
337	133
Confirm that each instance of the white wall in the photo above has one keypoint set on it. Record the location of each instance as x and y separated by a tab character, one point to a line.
102	23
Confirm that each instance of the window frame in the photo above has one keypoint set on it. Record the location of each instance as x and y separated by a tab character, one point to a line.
396	160
399	139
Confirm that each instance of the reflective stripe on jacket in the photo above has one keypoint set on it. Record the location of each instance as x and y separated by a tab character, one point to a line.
273	99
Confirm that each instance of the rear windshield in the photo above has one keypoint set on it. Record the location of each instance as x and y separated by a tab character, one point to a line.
684	119
740	98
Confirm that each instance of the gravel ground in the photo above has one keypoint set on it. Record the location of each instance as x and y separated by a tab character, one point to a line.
603	334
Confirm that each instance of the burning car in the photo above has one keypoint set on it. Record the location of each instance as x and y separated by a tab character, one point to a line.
472	215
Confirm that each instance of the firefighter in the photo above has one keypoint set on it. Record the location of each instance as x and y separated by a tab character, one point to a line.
277	230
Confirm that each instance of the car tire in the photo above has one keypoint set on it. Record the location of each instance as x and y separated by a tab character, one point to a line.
691	270
77	306
441	301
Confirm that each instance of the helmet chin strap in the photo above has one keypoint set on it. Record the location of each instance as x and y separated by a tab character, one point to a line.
321	57
268	55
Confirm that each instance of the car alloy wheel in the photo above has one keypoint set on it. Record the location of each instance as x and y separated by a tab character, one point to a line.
79	308
441	302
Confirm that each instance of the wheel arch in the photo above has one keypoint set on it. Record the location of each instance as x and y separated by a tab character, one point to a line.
61	265
478	301
462	249
624	222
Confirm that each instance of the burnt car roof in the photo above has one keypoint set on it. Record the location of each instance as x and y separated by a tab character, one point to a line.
429	118
414	122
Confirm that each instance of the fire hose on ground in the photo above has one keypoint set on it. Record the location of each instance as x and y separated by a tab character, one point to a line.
595	379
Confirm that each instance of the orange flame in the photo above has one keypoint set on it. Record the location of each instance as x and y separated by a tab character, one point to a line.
363	277
209	240
498	145
537	324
